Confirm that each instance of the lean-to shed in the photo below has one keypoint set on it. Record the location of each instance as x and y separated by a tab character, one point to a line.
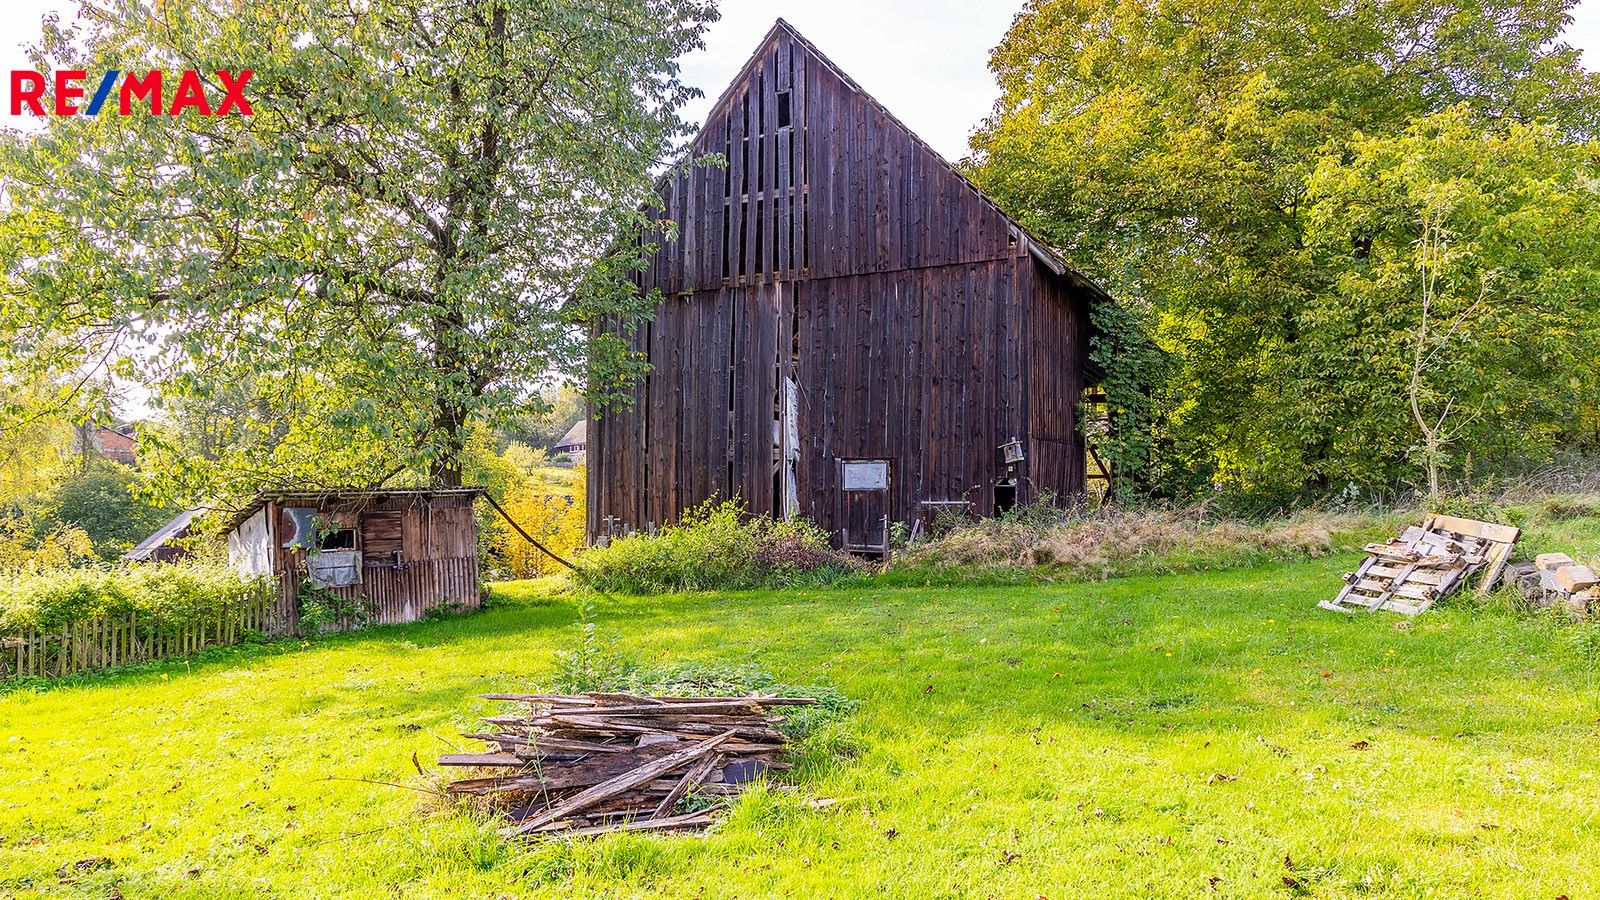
849	330
402	551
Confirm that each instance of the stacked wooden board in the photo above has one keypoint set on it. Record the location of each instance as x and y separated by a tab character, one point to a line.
1425	563
598	762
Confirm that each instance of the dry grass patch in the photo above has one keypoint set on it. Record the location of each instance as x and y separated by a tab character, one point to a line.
1113	542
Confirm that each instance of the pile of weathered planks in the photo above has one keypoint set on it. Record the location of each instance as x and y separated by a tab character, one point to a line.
1424	563
598	762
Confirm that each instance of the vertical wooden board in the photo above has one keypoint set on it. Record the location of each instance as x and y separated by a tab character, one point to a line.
769	140
676	423
828	151
752	163
758	479
736	189
743	390
711	372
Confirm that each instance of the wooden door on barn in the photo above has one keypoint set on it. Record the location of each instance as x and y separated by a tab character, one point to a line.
864	505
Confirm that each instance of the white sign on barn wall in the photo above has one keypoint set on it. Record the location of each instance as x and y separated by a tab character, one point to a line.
866	475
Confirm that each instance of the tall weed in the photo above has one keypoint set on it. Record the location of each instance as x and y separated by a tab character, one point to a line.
716	546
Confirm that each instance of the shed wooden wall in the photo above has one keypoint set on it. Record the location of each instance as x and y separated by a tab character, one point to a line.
841	251
437	538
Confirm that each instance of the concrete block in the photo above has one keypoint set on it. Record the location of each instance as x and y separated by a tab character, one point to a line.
1553	561
1575	578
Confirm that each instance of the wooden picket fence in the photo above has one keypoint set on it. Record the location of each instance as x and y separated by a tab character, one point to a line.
107	642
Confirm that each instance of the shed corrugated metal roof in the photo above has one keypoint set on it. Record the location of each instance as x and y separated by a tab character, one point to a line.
175	528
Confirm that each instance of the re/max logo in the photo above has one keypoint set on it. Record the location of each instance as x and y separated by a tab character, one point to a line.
27	90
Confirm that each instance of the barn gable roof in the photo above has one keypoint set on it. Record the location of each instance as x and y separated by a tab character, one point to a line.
1037	248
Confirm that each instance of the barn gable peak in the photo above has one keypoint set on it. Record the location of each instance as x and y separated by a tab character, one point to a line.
783	32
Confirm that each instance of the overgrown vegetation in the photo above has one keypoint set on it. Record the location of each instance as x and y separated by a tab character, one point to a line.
73	514
164	597
324	609
1041	541
717	546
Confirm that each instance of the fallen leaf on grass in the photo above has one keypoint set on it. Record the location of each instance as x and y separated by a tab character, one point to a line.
92	864
1221	776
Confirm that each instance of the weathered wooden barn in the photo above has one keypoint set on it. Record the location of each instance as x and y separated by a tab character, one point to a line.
849	330
403	551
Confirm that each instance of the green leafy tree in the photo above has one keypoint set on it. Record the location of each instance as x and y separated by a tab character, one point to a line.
1461	311
106	501
1168	147
399	244
564	408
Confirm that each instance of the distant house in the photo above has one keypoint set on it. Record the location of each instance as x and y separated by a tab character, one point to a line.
117	444
162	546
575	442
402	551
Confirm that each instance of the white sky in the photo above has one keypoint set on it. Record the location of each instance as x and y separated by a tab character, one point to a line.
925	59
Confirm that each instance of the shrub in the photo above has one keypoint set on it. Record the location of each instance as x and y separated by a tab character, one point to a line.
26	548
165	597
716	547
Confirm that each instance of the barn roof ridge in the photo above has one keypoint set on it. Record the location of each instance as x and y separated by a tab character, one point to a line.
1044	253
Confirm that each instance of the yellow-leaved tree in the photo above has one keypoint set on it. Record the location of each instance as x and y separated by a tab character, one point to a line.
548	504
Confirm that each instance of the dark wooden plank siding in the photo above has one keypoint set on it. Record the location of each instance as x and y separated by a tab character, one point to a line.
913	304
1058	347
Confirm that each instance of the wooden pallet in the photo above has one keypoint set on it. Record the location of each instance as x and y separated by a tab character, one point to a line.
1425	563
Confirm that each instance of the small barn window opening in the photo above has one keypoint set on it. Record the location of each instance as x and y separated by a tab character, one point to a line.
338	539
1005	496
783	109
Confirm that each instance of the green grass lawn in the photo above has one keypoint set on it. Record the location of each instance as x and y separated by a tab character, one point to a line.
1160	736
